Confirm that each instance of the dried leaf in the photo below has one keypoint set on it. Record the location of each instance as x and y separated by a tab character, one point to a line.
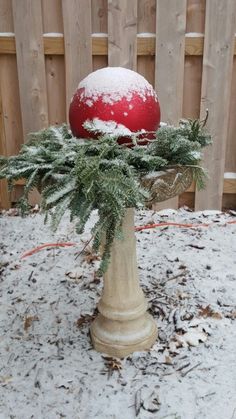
172	348
191	338
111	365
151	403
28	320
209	312
168	360
90	256
84	319
76	274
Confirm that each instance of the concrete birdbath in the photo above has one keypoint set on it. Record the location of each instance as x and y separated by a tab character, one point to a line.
74	173
123	324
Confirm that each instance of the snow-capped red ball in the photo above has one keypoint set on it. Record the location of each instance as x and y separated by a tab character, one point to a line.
115	94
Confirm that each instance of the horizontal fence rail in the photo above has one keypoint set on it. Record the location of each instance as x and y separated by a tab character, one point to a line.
46	48
146	44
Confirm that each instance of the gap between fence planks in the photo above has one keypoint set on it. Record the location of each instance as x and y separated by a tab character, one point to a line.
215	96
78	45
169	69
122	33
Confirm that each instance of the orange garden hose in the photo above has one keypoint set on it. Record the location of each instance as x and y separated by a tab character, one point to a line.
137	228
44	246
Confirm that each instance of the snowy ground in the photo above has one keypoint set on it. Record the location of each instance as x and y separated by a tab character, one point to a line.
48	369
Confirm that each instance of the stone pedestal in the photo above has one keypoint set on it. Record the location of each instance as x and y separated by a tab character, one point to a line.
123	324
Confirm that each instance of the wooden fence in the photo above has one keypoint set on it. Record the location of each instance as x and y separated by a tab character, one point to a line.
185	48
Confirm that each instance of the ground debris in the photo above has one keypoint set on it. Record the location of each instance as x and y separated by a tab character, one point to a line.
28	321
85	319
54	365
150	401
209	312
111	365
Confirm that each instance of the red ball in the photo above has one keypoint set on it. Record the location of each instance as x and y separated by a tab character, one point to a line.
115	94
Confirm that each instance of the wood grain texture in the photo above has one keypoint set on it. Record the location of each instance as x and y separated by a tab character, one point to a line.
194	45
146	16
122	33
229	202
78	45
6	16
192	87
10	116
54	64
215	96
195	16
146	45
4	196
56	89
27	14
30	64
230	159
169	72
52	16
99	16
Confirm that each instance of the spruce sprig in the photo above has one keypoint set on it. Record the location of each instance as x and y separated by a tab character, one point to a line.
81	175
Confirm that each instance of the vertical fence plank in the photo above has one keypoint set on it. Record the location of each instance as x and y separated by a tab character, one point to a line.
216	83
10	118
99	16
55	65
27	16
195	16
146	24
195	24
78	45
28	28
4	196
99	25
122	33
230	160
170	43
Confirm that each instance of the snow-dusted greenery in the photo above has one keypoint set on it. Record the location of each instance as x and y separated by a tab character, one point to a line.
83	175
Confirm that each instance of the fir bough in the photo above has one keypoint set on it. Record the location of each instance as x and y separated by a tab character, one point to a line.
83	175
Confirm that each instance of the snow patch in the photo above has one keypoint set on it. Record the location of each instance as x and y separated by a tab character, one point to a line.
114	83
194	35
53	34
230	175
99	35
7	34
107	127
89	103
146	35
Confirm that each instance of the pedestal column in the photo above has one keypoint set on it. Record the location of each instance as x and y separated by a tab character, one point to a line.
123	325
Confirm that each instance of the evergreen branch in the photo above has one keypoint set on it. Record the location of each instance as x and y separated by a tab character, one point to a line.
84	175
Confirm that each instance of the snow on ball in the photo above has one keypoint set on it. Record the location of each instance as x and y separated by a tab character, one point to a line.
115	94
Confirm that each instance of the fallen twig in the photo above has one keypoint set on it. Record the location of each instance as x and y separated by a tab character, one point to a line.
83	249
190	369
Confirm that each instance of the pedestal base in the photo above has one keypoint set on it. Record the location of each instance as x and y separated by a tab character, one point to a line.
123	324
121	338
